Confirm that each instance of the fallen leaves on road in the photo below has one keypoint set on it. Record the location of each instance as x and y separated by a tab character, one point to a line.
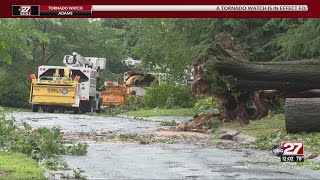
178	133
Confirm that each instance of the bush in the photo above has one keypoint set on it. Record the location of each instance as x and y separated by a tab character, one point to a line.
40	144
212	124
13	92
168	96
206	104
11	96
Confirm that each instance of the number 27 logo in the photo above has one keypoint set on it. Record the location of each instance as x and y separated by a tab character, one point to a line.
25	9
292	148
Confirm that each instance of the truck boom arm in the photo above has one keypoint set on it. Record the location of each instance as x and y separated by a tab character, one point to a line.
76	60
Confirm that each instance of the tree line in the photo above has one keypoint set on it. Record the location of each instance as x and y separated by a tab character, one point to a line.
169	44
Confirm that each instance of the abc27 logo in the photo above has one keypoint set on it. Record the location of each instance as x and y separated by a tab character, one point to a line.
289	151
25	10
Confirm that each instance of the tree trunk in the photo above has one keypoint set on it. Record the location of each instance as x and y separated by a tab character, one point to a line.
269	72
302	115
287	86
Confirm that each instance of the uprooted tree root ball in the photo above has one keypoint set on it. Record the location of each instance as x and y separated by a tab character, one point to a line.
250	90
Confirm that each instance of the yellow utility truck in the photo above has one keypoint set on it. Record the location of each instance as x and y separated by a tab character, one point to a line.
73	86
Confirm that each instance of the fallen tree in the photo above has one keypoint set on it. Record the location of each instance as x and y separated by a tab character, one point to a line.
302	115
249	90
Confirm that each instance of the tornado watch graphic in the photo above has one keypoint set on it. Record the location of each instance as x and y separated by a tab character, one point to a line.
88	10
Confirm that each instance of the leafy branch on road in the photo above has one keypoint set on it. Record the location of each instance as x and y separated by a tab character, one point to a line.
41	144
168	123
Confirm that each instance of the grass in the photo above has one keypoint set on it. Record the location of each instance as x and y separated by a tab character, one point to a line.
270	124
10	109
271	131
42	144
161	112
19	166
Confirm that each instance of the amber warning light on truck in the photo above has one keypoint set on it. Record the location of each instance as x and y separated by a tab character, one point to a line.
289	151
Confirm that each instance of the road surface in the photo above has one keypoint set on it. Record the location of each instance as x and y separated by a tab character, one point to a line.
127	148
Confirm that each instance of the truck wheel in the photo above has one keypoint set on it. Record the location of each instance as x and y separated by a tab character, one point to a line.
99	106
51	110
76	110
35	108
61	110
91	106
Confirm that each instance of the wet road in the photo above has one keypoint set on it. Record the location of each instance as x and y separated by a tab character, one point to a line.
128	160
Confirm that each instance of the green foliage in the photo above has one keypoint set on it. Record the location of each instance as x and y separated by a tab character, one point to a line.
126	137
142	141
14	98
12	94
161	112
78	149
45	42
167	45
132	101
212	124
78	175
40	143
55	164
119	109
271	131
168	96
205	104
300	40
267	141
19	166
220	84
168	123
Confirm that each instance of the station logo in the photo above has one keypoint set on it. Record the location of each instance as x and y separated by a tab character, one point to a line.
25	10
289	151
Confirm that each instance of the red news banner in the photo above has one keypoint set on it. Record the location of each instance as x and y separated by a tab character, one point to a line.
166	8
58	10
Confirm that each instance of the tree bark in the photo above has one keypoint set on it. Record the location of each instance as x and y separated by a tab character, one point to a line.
269	72
302	115
288	86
